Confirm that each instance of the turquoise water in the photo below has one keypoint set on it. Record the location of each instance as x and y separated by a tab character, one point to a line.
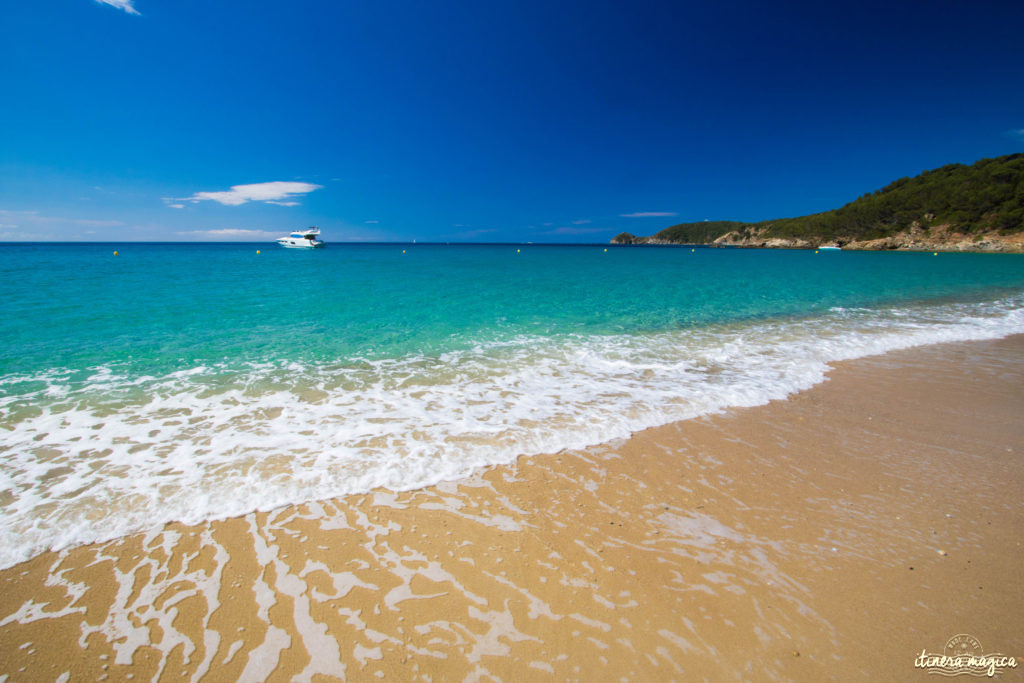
191	381
158	308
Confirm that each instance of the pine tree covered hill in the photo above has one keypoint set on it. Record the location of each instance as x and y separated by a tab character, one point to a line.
977	207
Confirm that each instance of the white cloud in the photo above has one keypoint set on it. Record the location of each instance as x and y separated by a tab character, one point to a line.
575	231
126	5
582	221
648	214
33	218
470	234
96	224
373	222
176	206
1016	132
235	233
276	192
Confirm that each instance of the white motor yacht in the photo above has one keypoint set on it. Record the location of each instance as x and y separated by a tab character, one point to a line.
302	239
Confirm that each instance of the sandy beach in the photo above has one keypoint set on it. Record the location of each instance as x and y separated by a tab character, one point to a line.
833	535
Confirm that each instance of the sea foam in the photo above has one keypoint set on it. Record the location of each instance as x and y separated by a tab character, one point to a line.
92	455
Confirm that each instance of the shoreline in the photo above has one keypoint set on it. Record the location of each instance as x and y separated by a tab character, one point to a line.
1005	248
710	547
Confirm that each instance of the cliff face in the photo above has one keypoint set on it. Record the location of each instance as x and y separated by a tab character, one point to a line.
936	238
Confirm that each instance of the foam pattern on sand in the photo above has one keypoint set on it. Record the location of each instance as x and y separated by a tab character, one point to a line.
416	585
90	456
774	543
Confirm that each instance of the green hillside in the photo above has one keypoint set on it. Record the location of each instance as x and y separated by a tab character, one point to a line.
698	233
984	197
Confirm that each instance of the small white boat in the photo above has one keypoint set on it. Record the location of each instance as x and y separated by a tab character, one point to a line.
830	248
302	239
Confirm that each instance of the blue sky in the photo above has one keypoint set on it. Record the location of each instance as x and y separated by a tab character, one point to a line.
483	121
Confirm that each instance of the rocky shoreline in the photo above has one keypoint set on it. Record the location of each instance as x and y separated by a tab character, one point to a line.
936	238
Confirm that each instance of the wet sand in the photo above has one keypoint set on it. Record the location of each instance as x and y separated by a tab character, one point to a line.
834	535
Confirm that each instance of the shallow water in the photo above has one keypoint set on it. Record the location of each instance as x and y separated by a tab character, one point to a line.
190	382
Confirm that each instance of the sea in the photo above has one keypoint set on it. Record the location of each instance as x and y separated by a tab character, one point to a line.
190	382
